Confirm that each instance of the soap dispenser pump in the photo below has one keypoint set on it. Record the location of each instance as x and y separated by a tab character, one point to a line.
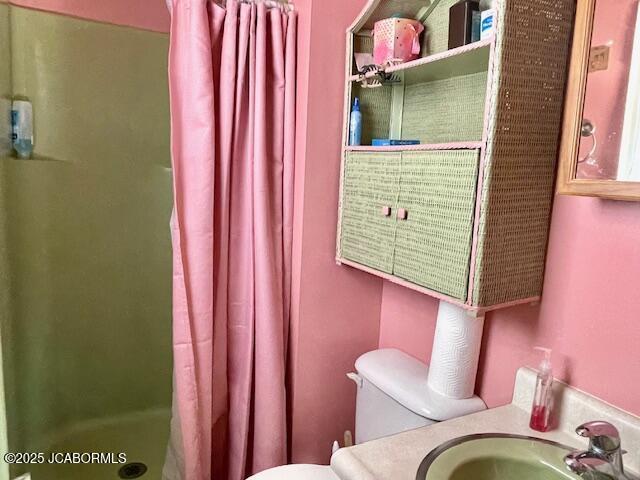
542	399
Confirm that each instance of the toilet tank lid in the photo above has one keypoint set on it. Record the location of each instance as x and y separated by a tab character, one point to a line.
404	379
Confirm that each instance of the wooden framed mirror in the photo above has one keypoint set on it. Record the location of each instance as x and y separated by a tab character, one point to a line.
600	145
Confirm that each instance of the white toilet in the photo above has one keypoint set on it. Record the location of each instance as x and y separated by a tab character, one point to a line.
393	396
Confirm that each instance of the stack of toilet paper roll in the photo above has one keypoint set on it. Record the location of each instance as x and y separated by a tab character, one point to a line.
456	350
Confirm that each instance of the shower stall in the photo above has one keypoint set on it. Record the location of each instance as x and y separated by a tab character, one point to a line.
85	252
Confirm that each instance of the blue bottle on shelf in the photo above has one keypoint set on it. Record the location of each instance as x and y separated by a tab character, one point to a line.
355	124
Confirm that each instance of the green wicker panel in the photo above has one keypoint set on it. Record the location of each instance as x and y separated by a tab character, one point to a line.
436	36
370	183
363	44
520	164
450	110
433	245
375	105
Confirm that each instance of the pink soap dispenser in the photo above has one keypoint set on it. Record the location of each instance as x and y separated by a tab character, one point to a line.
541	408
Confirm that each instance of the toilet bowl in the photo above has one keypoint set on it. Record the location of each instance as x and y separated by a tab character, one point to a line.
393	396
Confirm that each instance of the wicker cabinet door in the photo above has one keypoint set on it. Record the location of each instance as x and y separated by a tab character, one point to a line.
369	197
433	238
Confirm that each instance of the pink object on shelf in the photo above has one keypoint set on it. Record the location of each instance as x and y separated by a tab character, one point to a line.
396	39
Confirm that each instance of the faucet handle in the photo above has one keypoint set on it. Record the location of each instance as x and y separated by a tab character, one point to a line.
583	462
603	437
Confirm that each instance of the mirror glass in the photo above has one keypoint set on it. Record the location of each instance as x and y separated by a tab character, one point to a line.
610	135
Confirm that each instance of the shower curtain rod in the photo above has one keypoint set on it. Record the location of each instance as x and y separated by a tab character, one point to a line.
282	4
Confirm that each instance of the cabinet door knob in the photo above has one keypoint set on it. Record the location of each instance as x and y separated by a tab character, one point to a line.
402	214
386	211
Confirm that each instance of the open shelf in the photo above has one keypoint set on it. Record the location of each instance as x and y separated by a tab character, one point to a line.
421	147
465	60
438	99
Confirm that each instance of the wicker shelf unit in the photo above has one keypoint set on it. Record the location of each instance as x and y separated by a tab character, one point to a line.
463	216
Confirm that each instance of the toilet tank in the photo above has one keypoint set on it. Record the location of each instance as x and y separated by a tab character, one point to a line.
393	396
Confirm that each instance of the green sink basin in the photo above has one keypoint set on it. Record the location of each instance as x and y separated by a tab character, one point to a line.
496	457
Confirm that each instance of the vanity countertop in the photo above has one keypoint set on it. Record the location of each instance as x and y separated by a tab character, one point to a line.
398	457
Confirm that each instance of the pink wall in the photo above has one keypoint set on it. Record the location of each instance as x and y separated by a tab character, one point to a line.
606	89
407	321
590	310
336	310
145	14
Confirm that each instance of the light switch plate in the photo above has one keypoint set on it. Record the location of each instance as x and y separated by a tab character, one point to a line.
599	58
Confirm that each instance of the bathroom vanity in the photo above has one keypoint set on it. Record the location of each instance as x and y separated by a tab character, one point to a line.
462	216
400	457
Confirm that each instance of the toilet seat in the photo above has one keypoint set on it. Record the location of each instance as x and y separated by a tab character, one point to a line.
297	472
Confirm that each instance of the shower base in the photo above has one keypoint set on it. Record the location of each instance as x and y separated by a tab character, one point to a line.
142	437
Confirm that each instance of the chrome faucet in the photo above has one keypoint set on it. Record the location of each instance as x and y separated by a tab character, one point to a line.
603	458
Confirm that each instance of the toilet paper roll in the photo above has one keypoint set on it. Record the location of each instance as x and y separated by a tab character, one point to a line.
456	349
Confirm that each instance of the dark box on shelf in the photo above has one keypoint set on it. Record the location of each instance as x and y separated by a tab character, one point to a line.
461	23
